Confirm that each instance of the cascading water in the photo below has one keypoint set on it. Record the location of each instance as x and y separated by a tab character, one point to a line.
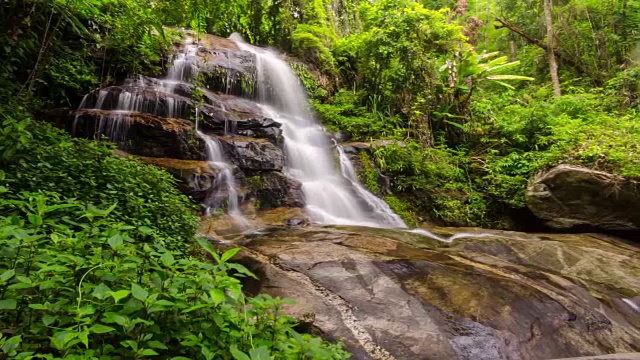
331	198
380	208
158	97
225	188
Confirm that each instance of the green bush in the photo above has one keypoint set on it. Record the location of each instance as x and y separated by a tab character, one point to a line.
343	112
37	157
437	181
77	284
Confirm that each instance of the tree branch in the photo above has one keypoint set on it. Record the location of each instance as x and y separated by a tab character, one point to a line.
563	56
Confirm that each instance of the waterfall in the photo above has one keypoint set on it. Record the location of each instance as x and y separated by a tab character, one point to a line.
225	188
331	198
158	97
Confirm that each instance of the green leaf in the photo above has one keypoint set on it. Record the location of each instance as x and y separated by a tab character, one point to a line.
3	190
138	292
111	317
7	275
11	344
147	352
208	354
509	77
241	269
115	241
101	329
229	254
35	219
8	304
130	343
237	354
101	291
49	319
145	229
86	310
24	279
119	295
261	353
167	259
206	245
157	345
217	296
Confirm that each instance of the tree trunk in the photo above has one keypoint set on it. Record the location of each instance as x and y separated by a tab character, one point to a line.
553	64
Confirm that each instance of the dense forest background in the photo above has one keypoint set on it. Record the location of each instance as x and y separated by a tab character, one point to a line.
472	99
478	94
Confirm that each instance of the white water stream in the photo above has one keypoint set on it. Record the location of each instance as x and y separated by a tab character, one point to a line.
331	197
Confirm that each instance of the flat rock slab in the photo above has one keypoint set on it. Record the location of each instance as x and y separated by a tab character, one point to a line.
391	294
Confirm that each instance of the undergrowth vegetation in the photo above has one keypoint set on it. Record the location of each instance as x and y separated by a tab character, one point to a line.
78	284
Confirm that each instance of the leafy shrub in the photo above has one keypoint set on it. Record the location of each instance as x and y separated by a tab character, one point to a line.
77	284
437	181
38	157
344	113
311	43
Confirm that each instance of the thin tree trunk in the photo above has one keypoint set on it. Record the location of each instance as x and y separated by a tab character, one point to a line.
553	64
559	53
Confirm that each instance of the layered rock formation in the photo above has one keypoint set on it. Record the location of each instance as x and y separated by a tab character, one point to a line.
155	121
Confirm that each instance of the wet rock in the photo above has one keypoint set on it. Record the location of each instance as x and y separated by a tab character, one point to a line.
221	114
295	223
568	196
139	133
224	66
274	189
195	178
234	115
391	294
252	154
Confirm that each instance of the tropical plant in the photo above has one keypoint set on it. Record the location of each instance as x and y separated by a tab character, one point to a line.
76	284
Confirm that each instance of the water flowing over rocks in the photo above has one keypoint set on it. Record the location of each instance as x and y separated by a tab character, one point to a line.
154	119
568	196
391	294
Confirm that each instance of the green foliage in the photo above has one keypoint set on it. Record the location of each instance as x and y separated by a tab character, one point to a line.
310	81
369	174
311	43
437	181
77	284
404	210
343	113
38	157
393	55
59	50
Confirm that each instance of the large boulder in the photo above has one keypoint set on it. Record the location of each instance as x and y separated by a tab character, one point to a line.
567	196
252	154
392	294
274	189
